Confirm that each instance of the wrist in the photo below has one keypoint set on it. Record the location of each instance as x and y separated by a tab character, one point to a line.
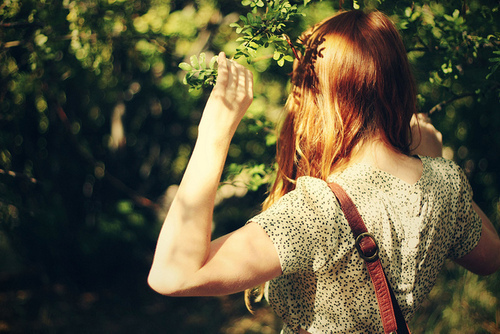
214	136
213	144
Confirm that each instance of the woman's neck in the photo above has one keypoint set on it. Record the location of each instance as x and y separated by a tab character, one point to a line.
377	153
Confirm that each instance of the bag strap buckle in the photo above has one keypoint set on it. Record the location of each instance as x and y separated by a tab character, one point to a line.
367	248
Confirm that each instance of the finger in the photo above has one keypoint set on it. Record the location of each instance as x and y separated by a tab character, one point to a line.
414	120
222	71
249	83
240	78
232	75
248	86
424	118
241	85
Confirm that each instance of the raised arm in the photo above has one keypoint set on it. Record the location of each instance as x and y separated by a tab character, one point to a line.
484	259
186	262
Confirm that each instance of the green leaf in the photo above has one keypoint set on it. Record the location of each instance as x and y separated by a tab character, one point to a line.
448	18
203	61
194	62
253	45
213	61
185	66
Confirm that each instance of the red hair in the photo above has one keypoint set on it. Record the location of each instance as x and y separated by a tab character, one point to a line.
353	83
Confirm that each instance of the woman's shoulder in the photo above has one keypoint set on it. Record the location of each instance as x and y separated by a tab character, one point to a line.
312	189
445	172
438	161
310	194
440	165
310	183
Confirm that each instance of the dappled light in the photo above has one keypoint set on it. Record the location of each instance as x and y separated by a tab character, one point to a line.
97	128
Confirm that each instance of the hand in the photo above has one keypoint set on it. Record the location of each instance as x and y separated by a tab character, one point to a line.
426	140
229	100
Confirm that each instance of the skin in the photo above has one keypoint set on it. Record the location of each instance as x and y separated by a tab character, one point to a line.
188	263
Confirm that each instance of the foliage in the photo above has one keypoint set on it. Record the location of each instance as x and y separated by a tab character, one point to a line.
265	25
96	129
198	74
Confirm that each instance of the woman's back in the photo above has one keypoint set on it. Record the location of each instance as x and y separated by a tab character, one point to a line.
417	226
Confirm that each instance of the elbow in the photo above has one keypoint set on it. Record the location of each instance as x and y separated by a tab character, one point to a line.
481	261
156	284
163	283
490	269
492	265
479	269
485	271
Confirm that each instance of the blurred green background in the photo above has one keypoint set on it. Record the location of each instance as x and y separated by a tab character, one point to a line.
96	129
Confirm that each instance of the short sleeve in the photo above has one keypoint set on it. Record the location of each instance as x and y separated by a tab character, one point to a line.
301	226
468	223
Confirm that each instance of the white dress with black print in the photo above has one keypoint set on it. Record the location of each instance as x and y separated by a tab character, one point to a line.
325	287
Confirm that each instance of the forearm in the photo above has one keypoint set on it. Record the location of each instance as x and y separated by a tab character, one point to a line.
483	259
488	225
184	240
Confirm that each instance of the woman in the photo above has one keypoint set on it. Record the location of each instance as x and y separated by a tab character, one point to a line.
348	121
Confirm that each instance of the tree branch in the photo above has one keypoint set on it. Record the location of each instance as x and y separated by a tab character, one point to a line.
441	104
17	175
291	46
11	44
20	24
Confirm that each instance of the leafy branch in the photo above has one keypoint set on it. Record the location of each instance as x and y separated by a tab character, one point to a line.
198	74
263	29
264	26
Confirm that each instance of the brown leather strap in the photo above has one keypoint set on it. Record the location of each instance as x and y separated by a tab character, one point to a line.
392	317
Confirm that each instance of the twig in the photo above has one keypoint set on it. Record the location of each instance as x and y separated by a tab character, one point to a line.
424	49
441	104
291	46
10	44
20	24
17	175
257	59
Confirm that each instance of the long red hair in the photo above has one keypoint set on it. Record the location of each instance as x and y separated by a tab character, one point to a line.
353	83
